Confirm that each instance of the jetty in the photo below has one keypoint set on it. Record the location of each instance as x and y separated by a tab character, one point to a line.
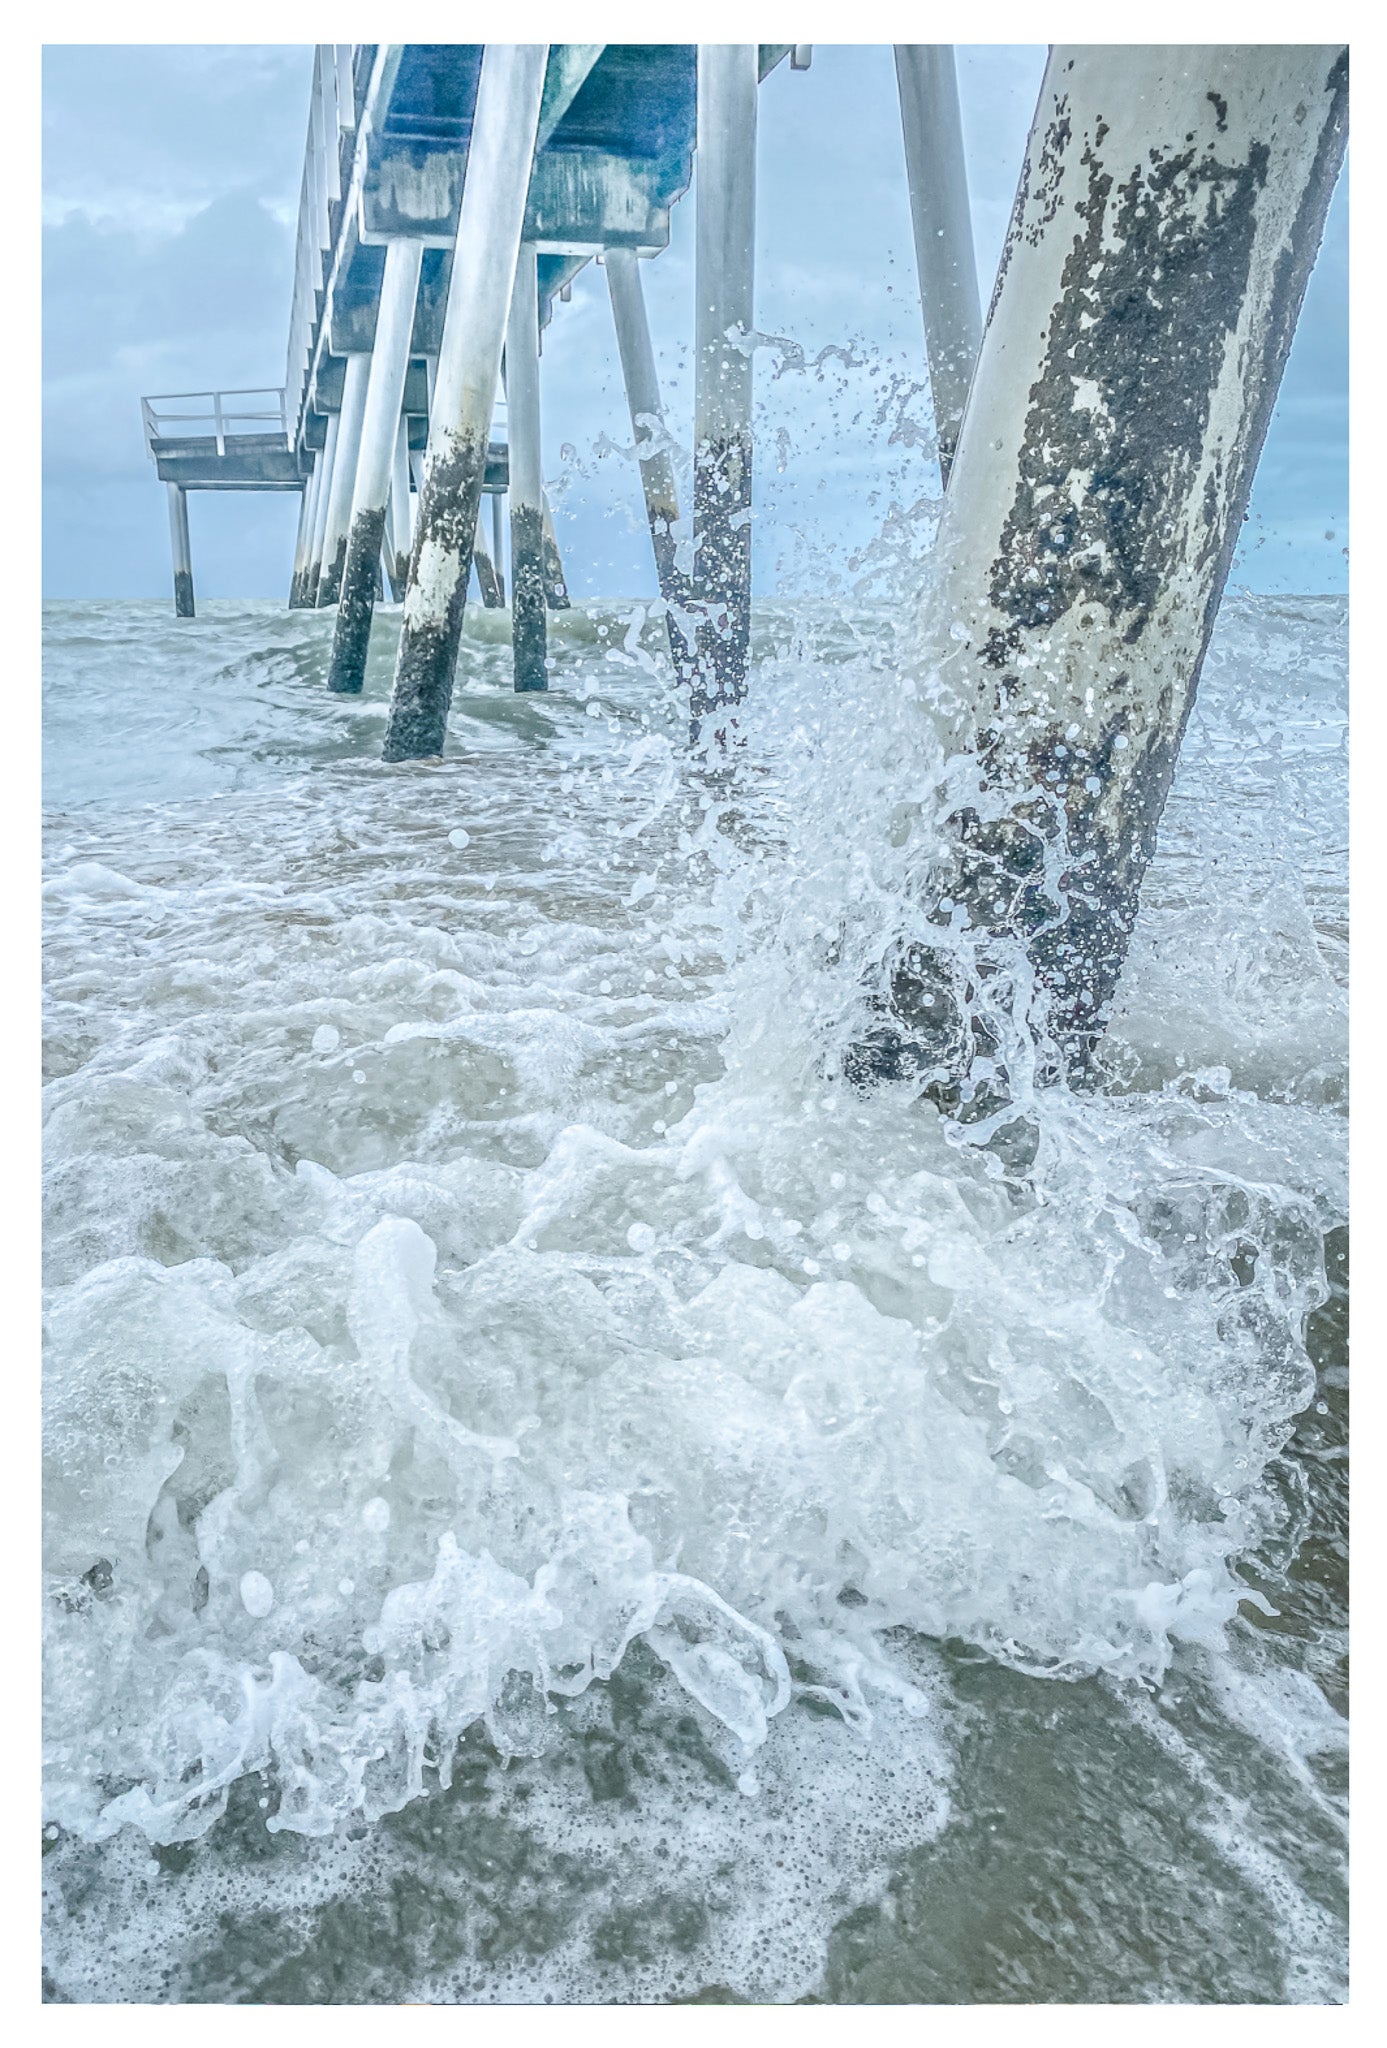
1097	434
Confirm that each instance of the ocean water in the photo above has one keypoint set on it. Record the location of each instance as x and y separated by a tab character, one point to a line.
550	1493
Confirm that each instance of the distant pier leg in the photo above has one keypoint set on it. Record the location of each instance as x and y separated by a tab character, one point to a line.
398	533
529	641
555	585
182	552
647	419
491	218
487	580
303	539
498	542
724	324
380	430
944	262
343	484
327	458
1170	206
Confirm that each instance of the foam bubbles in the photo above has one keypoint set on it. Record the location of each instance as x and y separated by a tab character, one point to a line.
585	1324
257	1595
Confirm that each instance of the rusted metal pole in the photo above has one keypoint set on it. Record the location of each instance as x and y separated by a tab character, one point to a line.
1170	208
724	325
529	628
933	131
380	430
492	215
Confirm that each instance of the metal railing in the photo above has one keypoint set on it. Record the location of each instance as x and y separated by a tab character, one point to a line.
215	416
332	116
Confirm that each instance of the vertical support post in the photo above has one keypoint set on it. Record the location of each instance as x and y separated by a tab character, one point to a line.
182	552
942	223
392	587
647	417
303	540
380	430
346	88
555	586
343	486
1171	203
529	632
488	581
398	531
322	193
326	464
498	543
723	286
492	215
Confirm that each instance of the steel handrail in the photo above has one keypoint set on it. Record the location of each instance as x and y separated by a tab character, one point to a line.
215	413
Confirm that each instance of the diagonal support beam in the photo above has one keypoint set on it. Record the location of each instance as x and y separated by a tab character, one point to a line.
568	68
642	383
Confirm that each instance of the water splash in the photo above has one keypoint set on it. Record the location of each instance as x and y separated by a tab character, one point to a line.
461	1235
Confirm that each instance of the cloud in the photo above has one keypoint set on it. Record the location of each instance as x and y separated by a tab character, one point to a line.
171	179
144	134
130	311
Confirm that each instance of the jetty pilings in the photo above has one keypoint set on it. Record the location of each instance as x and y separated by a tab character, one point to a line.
642	383
399	526
380	431
488	580
181	540
555	582
529	625
724	327
303	538
932	129
343	482
498	544
327	457
491	218
1170	207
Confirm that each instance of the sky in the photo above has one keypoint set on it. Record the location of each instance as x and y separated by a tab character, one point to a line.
171	179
